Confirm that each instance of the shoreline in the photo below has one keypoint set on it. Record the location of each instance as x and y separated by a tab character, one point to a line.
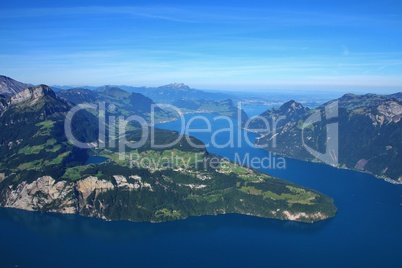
379	177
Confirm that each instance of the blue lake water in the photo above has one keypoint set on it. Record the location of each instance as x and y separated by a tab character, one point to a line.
366	232
253	110
94	159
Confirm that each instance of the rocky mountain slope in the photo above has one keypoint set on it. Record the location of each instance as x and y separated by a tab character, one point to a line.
369	133
10	87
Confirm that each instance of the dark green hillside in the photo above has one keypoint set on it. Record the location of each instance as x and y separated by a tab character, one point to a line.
32	136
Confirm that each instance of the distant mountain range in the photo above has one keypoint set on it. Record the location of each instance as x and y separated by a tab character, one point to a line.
173	92
370	132
137	103
163	94
118	102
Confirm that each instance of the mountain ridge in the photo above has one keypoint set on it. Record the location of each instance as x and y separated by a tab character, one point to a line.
118	102
9	86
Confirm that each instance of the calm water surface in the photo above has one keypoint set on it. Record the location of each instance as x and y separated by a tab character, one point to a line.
366	232
95	159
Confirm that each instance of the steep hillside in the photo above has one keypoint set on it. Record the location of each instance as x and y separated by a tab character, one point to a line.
370	134
9	86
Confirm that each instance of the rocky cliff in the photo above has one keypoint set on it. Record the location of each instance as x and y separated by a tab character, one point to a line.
94	197
67	197
31	94
43	194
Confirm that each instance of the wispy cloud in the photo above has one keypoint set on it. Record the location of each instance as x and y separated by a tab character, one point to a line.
203	46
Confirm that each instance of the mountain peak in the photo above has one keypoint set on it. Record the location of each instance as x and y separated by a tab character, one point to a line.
32	94
349	96
113	91
108	88
291	106
177	86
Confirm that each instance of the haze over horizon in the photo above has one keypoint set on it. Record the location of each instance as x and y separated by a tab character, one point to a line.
305	45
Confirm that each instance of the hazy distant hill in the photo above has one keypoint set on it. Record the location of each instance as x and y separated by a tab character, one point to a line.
223	107
173	92
123	102
137	103
370	133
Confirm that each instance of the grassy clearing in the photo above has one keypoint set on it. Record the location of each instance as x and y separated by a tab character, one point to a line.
213	198
251	190
35	165
298	195
229	167
74	173
244	173
32	149
210	198
56	160
36	149
46	127
305	197
167	213
53	148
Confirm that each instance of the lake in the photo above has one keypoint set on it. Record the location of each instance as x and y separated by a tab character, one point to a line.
366	232
254	110
95	159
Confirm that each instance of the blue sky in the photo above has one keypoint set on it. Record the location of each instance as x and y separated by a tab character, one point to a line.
261	45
